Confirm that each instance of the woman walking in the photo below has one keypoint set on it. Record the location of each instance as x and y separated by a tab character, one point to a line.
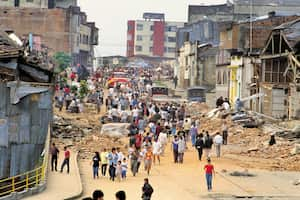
209	172
199	145
96	161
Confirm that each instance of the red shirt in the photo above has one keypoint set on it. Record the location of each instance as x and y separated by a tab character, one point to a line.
67	154
209	169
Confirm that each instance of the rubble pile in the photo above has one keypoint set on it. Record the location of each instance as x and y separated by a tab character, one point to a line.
254	143
196	108
82	132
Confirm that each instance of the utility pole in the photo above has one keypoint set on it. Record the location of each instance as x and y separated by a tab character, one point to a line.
251	25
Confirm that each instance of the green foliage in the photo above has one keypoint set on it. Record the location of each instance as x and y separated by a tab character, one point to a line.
74	89
83	90
62	60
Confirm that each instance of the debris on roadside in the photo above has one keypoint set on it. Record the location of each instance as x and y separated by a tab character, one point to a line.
242	174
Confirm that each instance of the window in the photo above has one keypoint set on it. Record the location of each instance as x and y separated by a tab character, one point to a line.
151	49
151	28
165	49
130	27
171	50
151	38
170	29
171	39
219	80
138	48
229	34
139	38
139	27
274	69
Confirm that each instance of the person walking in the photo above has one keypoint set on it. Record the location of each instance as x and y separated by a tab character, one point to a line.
181	149
104	161
157	149
124	166
208	142
113	161
224	132
96	161
199	145
218	140
194	133
148	160
134	156
66	160
147	190
209	172
54	156
175	148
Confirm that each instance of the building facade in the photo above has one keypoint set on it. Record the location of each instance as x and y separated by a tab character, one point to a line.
152	37
59	30
38	3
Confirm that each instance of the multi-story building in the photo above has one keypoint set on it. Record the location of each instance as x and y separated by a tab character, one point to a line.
59	29
39	3
235	10
152	37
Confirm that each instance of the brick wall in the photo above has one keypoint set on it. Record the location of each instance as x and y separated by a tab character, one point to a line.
51	25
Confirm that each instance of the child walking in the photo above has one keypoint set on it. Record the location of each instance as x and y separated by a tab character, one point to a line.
124	167
119	170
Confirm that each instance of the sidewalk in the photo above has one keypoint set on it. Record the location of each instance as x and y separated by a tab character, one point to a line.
61	185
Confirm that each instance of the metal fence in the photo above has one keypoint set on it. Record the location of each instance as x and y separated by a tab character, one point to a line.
28	179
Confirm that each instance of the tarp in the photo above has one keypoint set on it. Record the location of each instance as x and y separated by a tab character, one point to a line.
115	129
18	90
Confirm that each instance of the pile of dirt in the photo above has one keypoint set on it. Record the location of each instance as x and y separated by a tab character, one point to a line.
81	132
254	143
196	108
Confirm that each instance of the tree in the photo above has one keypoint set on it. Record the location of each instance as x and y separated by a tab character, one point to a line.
83	90
62	60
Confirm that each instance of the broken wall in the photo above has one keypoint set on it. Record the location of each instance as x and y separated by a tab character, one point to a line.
23	129
294	101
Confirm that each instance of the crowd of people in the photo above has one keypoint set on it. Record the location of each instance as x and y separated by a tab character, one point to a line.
152	126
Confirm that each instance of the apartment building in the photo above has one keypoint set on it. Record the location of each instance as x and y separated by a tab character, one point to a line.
152	37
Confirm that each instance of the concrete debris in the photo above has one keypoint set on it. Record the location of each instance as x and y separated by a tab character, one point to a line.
253	149
296	149
251	143
115	129
296	182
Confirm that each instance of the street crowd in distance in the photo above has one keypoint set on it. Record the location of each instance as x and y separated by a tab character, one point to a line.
153	125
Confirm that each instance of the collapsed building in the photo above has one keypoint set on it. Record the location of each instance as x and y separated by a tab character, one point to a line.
281	71
26	89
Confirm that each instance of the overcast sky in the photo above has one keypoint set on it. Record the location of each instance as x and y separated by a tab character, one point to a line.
111	18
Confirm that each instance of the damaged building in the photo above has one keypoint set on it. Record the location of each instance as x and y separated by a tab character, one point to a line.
280	76
238	71
26	88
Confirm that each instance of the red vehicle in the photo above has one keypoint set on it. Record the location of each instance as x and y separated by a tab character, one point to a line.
118	77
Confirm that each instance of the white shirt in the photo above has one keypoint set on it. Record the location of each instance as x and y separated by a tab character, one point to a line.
135	112
156	147
226	106
181	146
218	139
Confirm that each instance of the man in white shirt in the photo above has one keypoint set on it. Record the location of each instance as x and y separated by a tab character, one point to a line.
218	140
226	106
